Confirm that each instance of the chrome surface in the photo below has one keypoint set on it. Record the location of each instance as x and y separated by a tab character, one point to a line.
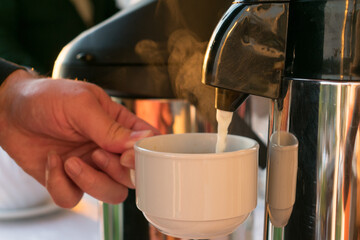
305	56
323	40
324	116
170	115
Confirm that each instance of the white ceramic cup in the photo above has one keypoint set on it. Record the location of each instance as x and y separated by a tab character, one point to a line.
18	190
187	190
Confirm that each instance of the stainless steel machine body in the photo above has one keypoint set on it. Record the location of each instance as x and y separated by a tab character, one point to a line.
326	123
304	55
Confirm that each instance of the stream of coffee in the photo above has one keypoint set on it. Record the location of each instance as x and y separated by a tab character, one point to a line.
223	119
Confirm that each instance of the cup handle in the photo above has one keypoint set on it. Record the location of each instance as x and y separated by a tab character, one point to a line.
132	176
282	173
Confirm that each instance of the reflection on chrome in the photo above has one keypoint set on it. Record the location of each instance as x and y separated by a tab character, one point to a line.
325	117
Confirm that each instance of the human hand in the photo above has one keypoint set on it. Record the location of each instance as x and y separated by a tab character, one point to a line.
69	135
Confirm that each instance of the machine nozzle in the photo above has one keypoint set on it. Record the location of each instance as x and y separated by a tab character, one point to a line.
228	100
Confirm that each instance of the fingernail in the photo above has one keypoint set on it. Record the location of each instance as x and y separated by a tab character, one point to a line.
132	176
140	134
127	159
100	158
136	136
73	166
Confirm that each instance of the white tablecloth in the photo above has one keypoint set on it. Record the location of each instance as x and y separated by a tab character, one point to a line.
82	222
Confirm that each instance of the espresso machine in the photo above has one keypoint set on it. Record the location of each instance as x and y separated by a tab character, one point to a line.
302	55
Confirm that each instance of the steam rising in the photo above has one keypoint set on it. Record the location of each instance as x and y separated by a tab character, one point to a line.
185	66
151	53
185	59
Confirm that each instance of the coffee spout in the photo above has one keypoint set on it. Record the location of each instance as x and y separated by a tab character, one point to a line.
246	53
228	100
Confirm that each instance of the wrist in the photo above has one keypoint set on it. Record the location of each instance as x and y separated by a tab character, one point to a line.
10	70
9	92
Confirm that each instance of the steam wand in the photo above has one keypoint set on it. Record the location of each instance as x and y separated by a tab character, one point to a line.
228	100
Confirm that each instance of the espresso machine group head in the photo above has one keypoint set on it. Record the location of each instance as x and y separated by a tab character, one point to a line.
304	56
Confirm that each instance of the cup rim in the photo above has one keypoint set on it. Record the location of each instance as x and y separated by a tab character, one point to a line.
293	145
254	146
